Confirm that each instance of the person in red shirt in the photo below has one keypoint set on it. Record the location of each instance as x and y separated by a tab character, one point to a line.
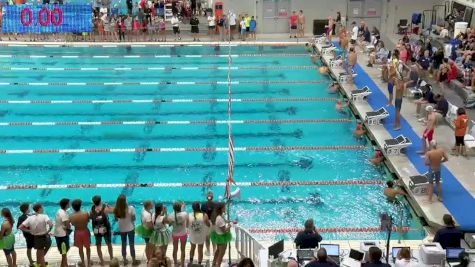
294	20
453	73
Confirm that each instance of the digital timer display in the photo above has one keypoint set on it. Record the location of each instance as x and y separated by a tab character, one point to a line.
47	18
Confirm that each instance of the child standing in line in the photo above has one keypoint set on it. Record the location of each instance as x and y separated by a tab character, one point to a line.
162	30
252	28
242	25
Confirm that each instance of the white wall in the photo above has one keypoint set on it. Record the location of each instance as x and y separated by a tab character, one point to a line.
394	10
313	9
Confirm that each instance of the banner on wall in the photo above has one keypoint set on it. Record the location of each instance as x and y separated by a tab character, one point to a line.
47	18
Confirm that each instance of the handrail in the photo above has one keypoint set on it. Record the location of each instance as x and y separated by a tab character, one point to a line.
248	246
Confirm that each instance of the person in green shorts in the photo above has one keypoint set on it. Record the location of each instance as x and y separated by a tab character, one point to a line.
7	238
161	234
220	233
145	230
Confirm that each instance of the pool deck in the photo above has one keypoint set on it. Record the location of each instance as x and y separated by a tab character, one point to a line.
458	193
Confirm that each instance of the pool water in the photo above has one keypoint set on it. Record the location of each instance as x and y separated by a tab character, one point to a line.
270	209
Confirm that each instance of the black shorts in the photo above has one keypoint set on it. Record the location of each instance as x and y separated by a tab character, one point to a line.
247	29
293	27
459	141
233	27
9	251
211	27
352	41
195	29
42	242
176	30
30	240
107	238
63	244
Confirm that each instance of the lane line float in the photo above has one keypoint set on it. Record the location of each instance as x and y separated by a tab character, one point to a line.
160	83
179	149
179	122
185	184
142	101
153	56
154	68
328	230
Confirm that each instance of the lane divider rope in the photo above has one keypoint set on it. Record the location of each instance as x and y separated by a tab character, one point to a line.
154	56
154	68
178	149
184	44
328	230
141	101
190	184
161	83
97	123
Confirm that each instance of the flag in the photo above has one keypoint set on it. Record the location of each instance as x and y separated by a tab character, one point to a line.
230	179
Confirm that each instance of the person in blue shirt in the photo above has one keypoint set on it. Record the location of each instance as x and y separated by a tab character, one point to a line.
308	238
449	236
252	28
424	63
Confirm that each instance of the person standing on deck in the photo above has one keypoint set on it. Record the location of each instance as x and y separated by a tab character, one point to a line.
301	25
399	83
434	159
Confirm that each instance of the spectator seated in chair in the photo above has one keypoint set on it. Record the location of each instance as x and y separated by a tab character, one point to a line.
379	55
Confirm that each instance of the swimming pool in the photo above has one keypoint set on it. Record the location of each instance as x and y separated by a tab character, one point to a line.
81	121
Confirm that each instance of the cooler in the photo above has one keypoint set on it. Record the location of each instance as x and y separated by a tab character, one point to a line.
470	239
432	254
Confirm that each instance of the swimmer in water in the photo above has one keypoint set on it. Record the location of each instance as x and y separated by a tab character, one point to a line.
391	193
333	88
378	158
340	106
324	70
360	131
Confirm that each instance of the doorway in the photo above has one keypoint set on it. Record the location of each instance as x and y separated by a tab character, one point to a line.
275	16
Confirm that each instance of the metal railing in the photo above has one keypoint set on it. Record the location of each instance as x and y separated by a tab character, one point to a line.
248	246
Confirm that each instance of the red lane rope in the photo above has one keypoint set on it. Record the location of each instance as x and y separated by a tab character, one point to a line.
328	230
194	184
